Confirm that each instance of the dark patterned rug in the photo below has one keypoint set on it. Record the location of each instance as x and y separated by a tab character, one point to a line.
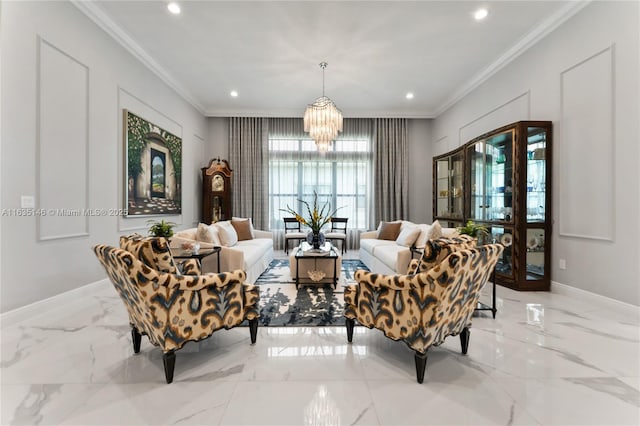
311	305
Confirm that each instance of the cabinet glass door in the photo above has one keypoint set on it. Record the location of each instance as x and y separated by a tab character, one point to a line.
449	181
536	174
491	178
499	157
535	253
477	179
442	187
504	236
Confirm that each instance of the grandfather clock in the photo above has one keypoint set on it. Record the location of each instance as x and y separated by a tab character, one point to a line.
216	191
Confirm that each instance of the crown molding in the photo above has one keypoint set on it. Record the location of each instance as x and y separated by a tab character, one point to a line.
299	113
547	26
97	15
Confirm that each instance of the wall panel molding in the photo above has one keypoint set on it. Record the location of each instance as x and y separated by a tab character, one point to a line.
586	149
62	144
515	109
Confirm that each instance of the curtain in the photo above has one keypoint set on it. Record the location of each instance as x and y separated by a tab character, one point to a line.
341	176
249	160
391	169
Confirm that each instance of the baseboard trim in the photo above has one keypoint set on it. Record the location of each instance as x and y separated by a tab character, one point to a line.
47	305
600	300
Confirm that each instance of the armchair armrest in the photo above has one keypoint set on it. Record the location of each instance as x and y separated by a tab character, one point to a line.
262	234
369	235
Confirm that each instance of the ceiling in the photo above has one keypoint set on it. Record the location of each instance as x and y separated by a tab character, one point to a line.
269	51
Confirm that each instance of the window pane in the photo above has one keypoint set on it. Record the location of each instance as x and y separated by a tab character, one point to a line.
340	177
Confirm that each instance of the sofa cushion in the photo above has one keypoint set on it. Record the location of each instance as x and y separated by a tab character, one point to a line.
253	249
243	229
389	255
370	244
389	230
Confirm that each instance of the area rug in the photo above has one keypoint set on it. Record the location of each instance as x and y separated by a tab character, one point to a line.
311	305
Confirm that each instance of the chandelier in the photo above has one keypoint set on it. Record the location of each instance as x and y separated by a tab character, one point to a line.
322	119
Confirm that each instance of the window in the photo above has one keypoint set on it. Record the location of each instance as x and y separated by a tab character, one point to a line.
341	176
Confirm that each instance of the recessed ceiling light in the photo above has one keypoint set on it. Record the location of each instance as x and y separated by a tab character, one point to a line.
234	94
409	95
174	8
480	14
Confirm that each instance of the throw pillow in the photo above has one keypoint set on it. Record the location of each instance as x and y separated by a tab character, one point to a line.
204	234
435	231
408	235
253	233
243	229
227	234
389	230
424	235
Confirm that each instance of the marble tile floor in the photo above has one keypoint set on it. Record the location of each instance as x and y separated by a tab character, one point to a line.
545	360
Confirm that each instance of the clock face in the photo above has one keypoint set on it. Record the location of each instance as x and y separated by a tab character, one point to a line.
217	183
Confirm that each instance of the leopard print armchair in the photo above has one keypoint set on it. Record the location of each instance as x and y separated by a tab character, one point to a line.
175	309
422	309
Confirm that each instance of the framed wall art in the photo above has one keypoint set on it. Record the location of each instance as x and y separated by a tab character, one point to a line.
153	168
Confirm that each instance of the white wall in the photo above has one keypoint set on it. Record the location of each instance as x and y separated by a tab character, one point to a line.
62	138
598	49
218	138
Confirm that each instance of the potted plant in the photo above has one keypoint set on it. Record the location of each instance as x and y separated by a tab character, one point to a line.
473	229
161	228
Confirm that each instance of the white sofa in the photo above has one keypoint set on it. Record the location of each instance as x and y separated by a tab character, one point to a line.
252	256
392	257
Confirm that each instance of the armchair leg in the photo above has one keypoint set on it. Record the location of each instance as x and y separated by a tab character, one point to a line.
421	365
464	339
169	360
136	337
350	323
253	329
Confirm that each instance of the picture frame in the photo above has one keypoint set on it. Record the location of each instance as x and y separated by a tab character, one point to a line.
153	168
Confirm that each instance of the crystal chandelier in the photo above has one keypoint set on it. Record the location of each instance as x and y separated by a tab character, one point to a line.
322	119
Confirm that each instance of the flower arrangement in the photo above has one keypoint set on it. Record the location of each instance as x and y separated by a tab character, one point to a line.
317	216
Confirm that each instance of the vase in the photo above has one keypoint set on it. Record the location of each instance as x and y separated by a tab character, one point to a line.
315	239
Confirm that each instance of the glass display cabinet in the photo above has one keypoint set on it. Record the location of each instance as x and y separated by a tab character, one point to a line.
449	188
506	186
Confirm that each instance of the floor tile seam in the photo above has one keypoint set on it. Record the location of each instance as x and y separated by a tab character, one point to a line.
232	396
368	384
